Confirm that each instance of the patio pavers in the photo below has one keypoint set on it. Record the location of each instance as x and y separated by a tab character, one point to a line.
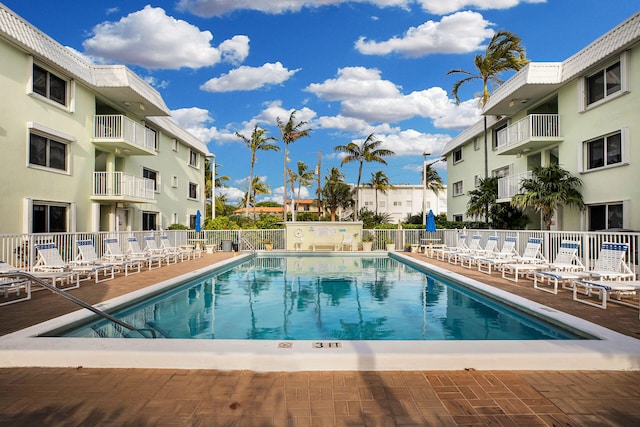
144	397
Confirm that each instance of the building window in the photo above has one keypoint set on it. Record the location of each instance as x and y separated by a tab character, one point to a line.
49	85
458	189
457	218
47	152
152	175
192	222
602	217
604	151
193	158
193	190
152	136
397	203
49	218
476	181
457	155
174	181
368	203
149	220
476	144
604	83
175	144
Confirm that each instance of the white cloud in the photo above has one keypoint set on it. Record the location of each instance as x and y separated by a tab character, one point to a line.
411	142
249	78
354	82
163	84
151	39
461	32
196	121
442	7
274	110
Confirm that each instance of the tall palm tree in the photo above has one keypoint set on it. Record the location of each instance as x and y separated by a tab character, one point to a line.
336	193
304	176
503	53
257	142
367	152
379	182
290	132
482	197
256	186
549	188
433	178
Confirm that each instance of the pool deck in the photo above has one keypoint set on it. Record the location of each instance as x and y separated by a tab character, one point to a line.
171	397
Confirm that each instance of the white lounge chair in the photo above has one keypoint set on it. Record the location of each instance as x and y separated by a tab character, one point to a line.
347	240
473	247
565	262
113	254
50	265
13	284
442	253
490	248
165	244
135	253
495	260
605	289
531	260
87	261
152	248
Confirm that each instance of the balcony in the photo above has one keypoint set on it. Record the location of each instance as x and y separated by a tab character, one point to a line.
122	187
120	134
531	133
509	186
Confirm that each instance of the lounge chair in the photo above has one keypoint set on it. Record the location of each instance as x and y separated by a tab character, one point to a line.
531	260
605	289
474	245
87	261
347	240
152	248
113	254
13	284
490	248
493	261
50	265
442	253
135	253
165	244
566	262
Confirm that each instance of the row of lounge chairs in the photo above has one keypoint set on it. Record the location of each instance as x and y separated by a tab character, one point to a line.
609	277
87	265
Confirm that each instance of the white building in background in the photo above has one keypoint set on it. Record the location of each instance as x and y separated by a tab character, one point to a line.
402	200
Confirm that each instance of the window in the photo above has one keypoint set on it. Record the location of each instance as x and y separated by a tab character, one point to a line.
603	217
149	220
193	158
175	144
604	151
476	144
604	83
174	181
193	190
499	138
368	203
457	217
501	172
49	218
382	204
397	203
152	137
47	152
458	189
152	175
476	181
49	85
457	155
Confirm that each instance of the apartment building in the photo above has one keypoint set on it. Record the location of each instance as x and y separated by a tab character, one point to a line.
87	147
583	114
402	200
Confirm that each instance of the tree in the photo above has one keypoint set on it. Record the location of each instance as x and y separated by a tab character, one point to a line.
258	142
304	176
379	182
503	53
290	133
433	178
549	188
367	152
498	215
257	187
336	193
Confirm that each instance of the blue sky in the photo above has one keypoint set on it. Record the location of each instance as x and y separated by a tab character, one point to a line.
349	68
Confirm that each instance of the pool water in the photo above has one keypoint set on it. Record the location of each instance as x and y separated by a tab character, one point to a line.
326	298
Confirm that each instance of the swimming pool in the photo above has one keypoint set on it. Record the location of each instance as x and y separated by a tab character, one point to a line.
322	297
610	350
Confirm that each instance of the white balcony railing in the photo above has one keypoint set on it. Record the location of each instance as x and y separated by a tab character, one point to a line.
509	186
119	185
122	128
534	126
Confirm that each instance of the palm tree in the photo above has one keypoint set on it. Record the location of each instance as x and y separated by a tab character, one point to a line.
304	176
433	178
379	182
258	142
336	192
256	186
549	188
482	197
503	53
290	133
367	152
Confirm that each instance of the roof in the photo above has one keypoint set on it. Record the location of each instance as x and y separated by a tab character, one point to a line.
261	209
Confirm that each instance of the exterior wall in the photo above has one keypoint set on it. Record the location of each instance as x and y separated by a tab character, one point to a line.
402	200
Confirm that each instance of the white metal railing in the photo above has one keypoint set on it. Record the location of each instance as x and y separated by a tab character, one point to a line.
119	127
120	184
509	186
531	127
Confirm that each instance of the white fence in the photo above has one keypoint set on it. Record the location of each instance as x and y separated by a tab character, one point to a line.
18	249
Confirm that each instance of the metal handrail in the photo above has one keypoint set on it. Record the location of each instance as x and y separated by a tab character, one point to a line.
246	243
78	301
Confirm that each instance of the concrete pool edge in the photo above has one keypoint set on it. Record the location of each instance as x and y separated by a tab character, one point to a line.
613	351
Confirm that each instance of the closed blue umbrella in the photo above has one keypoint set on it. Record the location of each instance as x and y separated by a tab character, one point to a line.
198	218
431	222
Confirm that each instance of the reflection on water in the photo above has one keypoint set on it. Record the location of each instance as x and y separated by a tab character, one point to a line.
321	298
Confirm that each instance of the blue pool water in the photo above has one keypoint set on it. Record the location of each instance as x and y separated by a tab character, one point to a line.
322	298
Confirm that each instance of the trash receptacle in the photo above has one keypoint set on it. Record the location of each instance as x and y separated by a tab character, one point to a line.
226	245
235	246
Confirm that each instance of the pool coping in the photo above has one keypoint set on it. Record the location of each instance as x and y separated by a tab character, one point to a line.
611	351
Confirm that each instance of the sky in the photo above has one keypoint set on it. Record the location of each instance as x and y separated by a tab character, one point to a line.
347	68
